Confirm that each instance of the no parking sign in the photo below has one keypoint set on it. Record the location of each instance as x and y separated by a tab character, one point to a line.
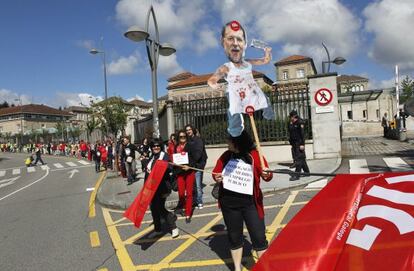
323	96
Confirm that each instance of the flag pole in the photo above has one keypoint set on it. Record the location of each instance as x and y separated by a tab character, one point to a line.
305	174
250	111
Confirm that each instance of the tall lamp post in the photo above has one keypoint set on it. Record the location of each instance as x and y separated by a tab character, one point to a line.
338	60
21	120
95	52
154	49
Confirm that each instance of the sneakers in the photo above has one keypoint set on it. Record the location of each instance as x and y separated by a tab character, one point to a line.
175	233
200	206
187	219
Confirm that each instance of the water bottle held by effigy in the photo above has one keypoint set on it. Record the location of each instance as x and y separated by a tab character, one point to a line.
258	44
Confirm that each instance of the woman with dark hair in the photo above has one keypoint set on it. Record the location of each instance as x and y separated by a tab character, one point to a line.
144	151
245	204
158	210
185	176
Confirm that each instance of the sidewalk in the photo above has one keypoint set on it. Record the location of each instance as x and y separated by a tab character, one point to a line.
115	193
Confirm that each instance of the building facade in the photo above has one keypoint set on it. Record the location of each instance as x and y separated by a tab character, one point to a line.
31	118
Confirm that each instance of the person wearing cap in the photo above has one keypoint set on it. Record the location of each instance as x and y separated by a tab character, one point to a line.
158	210
296	130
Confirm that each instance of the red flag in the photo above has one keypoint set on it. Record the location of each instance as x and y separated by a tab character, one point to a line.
137	209
357	222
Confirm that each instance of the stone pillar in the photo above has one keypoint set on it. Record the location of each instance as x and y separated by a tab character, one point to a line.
170	118
325	116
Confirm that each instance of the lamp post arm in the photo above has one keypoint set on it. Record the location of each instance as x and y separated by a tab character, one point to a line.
329	59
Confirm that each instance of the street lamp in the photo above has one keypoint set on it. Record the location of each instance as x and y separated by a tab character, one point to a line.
21	120
94	52
337	61
154	49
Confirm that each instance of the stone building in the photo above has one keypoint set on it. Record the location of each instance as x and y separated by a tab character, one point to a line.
31	117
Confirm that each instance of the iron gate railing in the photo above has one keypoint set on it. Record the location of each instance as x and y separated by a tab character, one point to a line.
209	116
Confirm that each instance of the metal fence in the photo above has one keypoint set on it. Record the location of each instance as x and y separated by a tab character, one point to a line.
209	116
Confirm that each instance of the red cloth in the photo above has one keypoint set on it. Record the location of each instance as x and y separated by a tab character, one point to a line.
185	183
328	232
257	171
170	149
104	153
137	210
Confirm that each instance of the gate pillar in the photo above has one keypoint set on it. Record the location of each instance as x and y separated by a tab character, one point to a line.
325	115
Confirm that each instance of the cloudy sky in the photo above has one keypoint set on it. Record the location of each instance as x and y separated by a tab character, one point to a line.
44	47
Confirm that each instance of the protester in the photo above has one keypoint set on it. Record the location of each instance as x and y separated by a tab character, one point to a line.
158	210
385	123
296	128
171	145
144	151
109	148
38	152
200	160
185	176
104	155
128	153
238	207
96	156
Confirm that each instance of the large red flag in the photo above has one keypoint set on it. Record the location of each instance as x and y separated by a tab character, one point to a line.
357	222
137	209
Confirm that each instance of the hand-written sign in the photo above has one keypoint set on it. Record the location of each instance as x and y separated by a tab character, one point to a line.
180	158
238	177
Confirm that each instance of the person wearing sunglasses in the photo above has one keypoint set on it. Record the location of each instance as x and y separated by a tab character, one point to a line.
158	210
185	175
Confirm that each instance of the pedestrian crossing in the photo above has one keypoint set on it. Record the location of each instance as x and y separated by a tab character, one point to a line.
33	169
360	166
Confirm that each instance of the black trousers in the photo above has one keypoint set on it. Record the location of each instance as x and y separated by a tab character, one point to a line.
158	211
38	158
300	159
234	218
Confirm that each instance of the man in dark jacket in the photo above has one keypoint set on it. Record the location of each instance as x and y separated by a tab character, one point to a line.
200	159
297	141
128	153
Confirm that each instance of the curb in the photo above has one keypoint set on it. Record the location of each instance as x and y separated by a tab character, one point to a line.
209	199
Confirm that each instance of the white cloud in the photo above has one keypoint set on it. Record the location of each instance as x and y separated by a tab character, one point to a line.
136	97
123	65
391	22
177	20
12	97
168	65
65	99
300	26
207	39
87	44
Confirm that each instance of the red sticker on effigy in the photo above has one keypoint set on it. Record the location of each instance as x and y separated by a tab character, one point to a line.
235	26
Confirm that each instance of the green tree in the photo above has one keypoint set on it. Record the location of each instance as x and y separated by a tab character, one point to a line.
4	105
61	128
407	88
111	115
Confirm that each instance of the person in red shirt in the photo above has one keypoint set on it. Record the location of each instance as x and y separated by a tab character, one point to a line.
104	154
171	146
245	203
185	176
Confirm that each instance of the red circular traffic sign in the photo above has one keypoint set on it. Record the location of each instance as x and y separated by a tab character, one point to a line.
323	96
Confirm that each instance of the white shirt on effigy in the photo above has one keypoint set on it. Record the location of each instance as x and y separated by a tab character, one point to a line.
242	89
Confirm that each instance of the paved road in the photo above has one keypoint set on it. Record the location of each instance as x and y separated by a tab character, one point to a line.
47	226
46	221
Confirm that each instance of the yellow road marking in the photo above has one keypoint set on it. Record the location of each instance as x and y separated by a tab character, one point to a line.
103	269
166	261
92	212
94	236
121	251
282	213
